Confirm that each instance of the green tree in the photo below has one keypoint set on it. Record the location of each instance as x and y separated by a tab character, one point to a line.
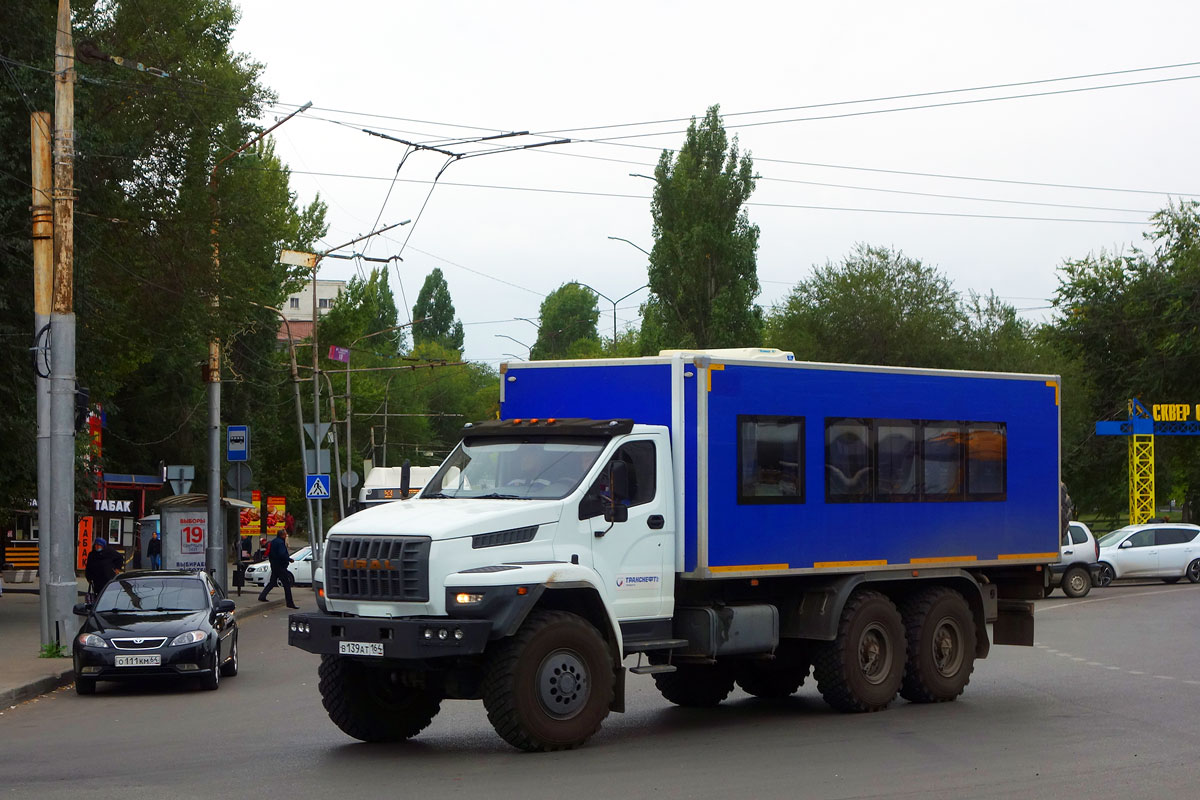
143	244
703	274
877	306
434	314
1132	318
568	330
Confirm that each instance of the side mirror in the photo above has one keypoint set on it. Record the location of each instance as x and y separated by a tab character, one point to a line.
225	606
1125	544
617	513
82	609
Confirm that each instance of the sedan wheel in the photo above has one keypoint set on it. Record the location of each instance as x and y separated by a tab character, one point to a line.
1077	582
1193	571
1105	575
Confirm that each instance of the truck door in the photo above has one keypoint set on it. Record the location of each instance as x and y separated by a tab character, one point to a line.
636	557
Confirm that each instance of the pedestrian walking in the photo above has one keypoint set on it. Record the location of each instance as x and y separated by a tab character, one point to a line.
277	554
103	564
154	551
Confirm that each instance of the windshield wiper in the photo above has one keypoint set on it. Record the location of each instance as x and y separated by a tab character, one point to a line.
437	496
498	496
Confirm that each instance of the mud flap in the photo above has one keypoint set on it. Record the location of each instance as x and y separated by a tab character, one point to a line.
1014	623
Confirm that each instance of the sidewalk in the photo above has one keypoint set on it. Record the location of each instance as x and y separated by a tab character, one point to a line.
22	674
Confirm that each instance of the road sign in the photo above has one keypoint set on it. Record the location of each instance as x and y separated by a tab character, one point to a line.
298	258
349	479
316	487
316	461
239	475
181	477
320	434
237	443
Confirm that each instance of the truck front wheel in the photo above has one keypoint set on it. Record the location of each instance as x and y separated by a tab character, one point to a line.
861	669
550	686
941	645
370	703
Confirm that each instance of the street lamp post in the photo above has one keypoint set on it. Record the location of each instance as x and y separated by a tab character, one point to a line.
511	339
214	554
614	302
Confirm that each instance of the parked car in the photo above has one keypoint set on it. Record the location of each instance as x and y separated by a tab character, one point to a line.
1167	550
301	569
1078	553
156	623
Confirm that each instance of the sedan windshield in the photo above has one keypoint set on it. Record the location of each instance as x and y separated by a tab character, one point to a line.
511	469
1109	539
153	594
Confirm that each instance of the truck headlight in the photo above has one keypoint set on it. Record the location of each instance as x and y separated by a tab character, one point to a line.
467	599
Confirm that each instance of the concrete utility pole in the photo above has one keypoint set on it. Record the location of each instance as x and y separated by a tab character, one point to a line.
40	139
215	560
58	576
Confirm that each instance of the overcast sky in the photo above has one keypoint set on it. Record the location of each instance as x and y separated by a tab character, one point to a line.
508	228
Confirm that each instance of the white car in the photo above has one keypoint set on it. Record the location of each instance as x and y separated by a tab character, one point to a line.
301	569
1166	550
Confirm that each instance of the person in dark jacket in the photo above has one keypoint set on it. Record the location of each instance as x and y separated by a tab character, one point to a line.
277	554
154	551
103	563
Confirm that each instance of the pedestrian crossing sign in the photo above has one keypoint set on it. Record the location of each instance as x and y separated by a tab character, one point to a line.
316	487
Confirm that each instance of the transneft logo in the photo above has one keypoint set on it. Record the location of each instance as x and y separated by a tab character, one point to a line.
645	581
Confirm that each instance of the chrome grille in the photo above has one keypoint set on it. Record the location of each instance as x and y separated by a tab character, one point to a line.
394	568
139	643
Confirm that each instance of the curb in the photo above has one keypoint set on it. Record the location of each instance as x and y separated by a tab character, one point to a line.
66	677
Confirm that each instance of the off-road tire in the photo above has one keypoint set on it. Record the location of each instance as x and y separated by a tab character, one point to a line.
550	686
230	667
85	686
694	685
1076	582
862	668
1047	590
368	702
940	632
778	678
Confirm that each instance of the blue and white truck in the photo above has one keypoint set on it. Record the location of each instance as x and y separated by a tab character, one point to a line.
707	518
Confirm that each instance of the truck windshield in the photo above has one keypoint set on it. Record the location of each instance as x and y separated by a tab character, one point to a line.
507	469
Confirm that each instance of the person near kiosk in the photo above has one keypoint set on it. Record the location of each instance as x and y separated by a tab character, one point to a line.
277	554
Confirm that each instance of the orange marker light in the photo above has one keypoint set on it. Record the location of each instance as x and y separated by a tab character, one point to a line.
321	592
522	590
754	581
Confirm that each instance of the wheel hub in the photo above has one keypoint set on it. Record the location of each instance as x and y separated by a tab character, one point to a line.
562	684
947	647
874	654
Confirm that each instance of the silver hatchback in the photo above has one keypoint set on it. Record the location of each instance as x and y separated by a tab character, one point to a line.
1166	550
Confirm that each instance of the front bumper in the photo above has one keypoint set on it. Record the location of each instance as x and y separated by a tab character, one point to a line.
408	639
99	663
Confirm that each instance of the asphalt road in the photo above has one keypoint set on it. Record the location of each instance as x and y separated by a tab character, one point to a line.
1107	705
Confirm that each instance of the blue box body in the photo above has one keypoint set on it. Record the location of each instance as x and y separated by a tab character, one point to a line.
700	398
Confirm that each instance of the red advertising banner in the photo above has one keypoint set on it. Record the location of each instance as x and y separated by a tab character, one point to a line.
276	514
249	520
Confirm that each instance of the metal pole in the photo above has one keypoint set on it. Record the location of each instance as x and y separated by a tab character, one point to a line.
337	455
61	585
349	446
319	520
43	267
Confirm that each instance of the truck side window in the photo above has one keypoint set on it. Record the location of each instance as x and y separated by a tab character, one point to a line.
847	461
770	459
986	446
641	468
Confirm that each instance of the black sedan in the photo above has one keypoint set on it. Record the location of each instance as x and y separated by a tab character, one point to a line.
160	623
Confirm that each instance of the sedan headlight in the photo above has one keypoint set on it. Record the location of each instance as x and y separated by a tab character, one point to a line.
91	640
191	637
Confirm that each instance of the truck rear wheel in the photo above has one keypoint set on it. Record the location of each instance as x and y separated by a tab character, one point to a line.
941	646
694	685
778	678
370	703
862	668
550	686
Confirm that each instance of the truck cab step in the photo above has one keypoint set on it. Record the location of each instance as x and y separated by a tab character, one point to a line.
652	669
642	645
